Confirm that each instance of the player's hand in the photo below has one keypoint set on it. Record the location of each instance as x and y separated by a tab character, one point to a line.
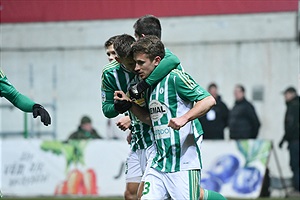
177	123
136	91
120	95
39	110
121	102
124	123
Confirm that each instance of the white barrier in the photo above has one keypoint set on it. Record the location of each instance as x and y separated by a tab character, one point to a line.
96	167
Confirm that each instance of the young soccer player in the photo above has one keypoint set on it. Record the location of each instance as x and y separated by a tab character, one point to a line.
150	25
109	48
117	76
175	170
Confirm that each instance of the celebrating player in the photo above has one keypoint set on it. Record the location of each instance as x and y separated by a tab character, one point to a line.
177	131
109	48
117	76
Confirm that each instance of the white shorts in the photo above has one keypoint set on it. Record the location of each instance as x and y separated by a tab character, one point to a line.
177	185
150	154
137	163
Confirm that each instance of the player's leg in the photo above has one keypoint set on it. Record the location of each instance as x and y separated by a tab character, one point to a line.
133	176
146	161
140	190
212	195
188	181
154	187
201	193
189	184
131	191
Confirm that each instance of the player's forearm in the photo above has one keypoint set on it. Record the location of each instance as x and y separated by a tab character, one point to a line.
19	100
24	103
200	108
109	110
141	113
166	65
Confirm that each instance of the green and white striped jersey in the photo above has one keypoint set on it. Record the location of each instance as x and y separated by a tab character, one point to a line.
142	133
174	96
116	77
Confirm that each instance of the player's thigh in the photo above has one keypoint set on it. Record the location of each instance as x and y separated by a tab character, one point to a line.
188	182
146	156
131	188
140	189
154	187
133	171
150	154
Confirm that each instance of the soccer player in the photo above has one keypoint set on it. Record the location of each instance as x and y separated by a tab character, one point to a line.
124	122
109	48
178	134
150	25
8	91
117	76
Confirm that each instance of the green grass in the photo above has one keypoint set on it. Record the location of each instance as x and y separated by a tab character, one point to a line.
115	198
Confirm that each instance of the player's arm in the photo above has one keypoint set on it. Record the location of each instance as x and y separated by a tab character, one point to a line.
107	91
124	103
8	91
19	100
189	90
166	65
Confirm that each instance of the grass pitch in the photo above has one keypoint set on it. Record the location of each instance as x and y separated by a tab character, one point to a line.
115	198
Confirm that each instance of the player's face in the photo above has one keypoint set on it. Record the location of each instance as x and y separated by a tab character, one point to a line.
110	52
128	63
144	66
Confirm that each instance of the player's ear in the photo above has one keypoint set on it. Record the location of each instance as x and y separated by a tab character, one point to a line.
157	60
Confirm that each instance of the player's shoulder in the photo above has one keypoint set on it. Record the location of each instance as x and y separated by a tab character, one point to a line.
110	67
177	73
2	75
181	76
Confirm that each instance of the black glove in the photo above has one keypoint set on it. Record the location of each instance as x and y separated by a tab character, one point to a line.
38	110
281	143
136	91
122	106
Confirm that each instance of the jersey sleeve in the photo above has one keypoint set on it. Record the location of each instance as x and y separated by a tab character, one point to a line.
187	88
107	93
8	91
166	65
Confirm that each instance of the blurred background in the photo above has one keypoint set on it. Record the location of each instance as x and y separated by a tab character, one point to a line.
53	52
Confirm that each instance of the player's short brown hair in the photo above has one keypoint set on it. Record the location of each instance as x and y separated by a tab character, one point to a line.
147	25
150	45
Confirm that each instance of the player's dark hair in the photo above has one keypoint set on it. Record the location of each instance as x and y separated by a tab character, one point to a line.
150	45
122	45
147	25
110	41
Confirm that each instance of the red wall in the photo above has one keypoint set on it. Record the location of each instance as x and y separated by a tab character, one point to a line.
13	11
